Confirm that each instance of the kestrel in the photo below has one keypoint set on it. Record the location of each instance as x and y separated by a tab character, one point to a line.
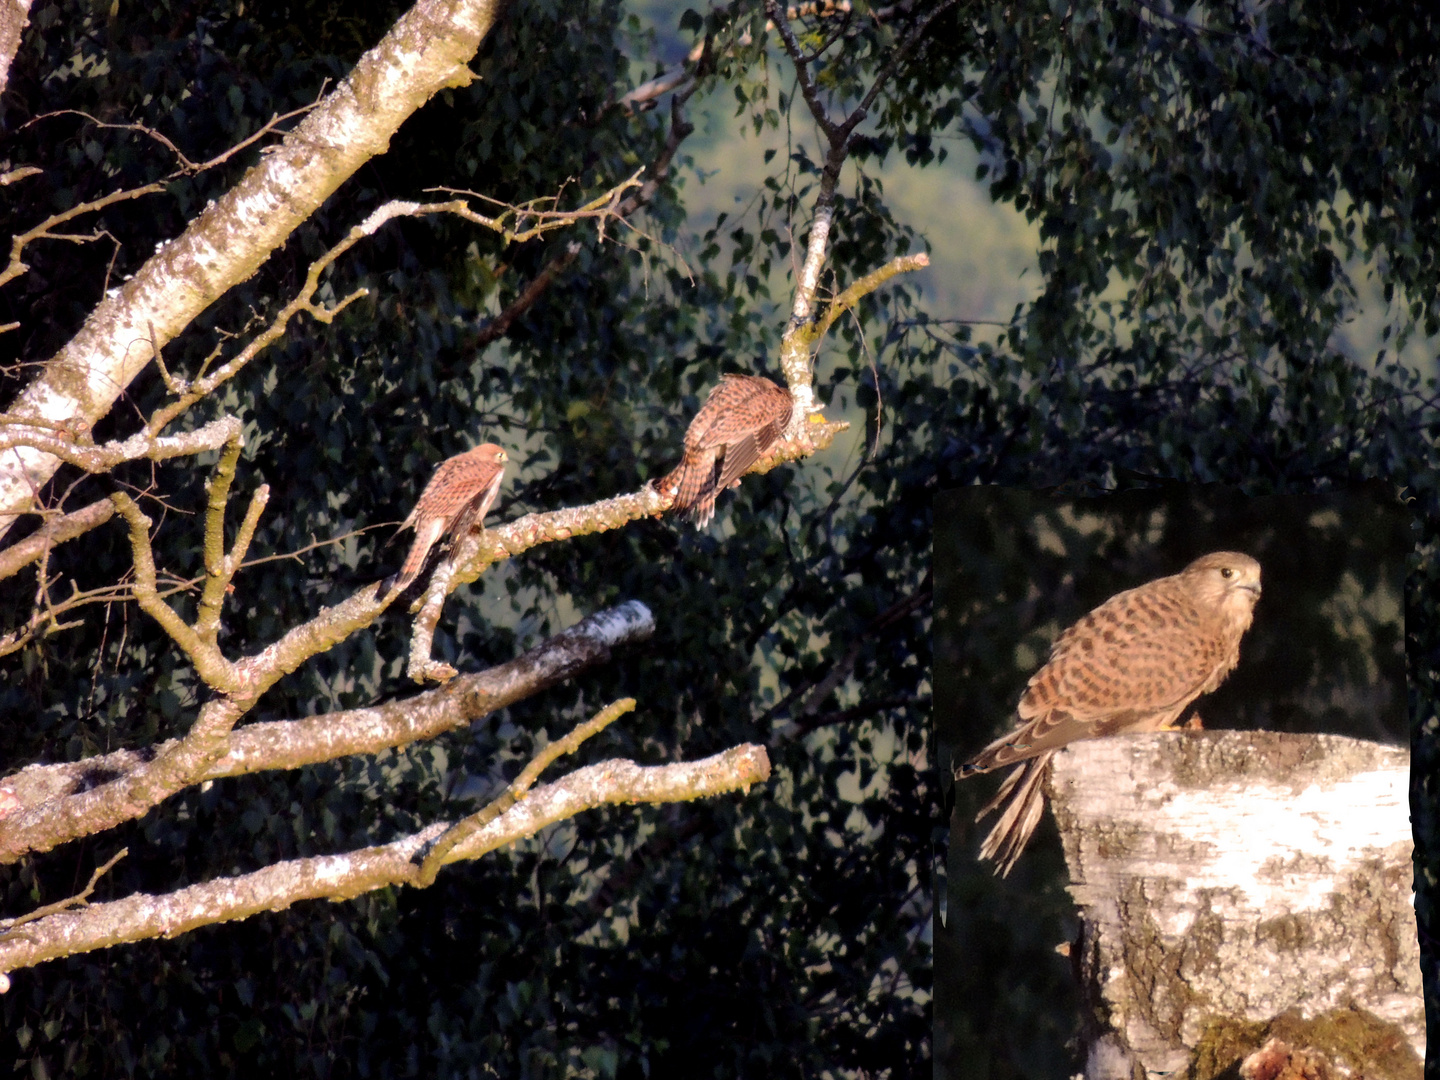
739	421
456	500
1132	664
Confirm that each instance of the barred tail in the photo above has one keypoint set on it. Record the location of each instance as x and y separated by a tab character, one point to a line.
693	484
1025	790
426	534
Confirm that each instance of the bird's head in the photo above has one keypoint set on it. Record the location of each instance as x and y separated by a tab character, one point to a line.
490	452
1229	580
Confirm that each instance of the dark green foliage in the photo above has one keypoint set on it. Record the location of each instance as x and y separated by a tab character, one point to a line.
783	933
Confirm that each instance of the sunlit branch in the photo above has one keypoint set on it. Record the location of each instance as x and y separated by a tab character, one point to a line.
475	553
341	877
462	831
210	663
309	740
102	458
55	531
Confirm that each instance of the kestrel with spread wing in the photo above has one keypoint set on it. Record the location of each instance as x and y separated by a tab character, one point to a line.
740	420
1133	664
456	500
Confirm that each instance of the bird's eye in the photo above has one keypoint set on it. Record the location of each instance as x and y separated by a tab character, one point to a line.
1226	572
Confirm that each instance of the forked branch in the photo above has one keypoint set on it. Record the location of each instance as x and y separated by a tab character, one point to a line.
342	877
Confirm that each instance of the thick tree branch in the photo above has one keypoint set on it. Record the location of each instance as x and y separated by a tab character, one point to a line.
427	50
342	877
59	801
176	767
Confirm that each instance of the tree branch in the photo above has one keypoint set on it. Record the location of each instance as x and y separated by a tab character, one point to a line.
58	800
14	14
798	340
475	553
98	459
342	877
462	831
427	50
207	622
55	531
210	663
902	264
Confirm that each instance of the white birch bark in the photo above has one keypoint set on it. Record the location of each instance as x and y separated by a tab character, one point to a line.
427	50
1235	886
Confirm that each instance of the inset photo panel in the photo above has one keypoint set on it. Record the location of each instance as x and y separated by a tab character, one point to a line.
1171	726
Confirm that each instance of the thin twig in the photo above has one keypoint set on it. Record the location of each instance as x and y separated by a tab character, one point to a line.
471	825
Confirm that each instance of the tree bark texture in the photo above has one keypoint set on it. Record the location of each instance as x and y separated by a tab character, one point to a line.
1239	886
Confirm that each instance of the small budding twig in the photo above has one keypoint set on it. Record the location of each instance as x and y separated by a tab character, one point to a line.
463	830
80	899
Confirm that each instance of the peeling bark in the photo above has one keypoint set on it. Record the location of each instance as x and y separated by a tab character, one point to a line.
1235	886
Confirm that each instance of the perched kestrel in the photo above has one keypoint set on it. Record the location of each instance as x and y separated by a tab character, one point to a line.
739	421
456	500
1132	664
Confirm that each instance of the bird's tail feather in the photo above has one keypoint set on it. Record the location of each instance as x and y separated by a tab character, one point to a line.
1024	789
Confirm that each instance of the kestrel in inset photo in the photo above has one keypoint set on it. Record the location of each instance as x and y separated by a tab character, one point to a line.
456	500
740	420
1132	664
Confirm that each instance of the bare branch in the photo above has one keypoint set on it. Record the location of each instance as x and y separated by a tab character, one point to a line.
499	326
17	267
103	458
808	88
23	173
289	744
236	559
541	211
462	831
207	623
45	617
80	899
655	174
55	531
60	805
795	346
210	663
655	88
618	781
479	550
176	767
188	167
341	877
903	264
526	221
